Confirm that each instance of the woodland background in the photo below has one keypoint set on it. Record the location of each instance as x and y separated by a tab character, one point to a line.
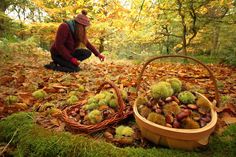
127	28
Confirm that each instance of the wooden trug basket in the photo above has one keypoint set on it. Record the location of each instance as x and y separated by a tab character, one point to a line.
187	139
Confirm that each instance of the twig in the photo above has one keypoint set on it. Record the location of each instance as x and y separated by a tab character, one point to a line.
8	143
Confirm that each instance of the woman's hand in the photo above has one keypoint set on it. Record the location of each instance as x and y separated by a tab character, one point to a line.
101	57
74	61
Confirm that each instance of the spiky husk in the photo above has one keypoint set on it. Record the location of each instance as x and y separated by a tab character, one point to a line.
203	105
72	100
95	116
171	108
186	97
124	131
39	94
156	118
189	123
176	84
161	90
144	111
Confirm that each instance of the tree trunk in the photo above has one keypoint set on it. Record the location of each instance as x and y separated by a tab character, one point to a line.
101	45
167	41
180	11
215	40
184	39
4	4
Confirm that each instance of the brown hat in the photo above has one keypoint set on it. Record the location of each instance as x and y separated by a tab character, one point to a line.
82	18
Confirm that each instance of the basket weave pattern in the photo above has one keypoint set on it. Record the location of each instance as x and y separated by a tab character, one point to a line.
121	114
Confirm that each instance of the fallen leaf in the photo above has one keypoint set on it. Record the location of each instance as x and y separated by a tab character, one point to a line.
6	79
227	108
228	119
26	97
58	85
55	122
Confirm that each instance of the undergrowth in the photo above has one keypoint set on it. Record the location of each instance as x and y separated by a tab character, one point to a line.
32	140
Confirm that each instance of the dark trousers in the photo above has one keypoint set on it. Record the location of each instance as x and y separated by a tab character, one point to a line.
67	66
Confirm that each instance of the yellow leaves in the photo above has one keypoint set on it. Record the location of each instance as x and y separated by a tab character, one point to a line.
203	10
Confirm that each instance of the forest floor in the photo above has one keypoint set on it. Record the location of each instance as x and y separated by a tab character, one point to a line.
21	74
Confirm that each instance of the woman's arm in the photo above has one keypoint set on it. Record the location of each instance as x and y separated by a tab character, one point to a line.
92	48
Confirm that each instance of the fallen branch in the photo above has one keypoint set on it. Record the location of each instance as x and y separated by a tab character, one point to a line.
4	149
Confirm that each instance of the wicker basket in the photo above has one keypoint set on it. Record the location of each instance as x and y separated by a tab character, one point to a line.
121	114
177	138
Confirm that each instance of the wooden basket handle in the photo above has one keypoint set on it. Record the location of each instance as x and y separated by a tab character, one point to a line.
181	56
118	93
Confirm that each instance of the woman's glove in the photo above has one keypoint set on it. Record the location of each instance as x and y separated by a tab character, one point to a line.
74	61
101	57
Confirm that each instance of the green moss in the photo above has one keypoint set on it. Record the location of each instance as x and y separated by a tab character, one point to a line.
32	140
225	144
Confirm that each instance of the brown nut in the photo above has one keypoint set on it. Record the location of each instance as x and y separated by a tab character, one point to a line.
168	99
192	106
202	123
155	107
169	119
196	116
158	110
108	135
183	107
82	114
161	102
175	99
73	113
187	111
208	114
153	101
168	125
76	109
182	115
77	117
176	124
148	104
206	119
105	113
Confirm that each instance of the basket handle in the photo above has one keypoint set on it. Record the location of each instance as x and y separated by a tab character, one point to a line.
118	93
181	56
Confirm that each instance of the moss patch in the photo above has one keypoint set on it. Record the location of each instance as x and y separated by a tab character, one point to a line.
32	140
